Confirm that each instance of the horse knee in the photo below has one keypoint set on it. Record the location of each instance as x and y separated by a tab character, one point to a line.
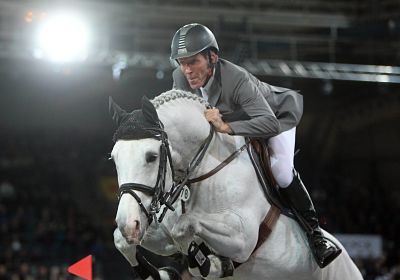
243	253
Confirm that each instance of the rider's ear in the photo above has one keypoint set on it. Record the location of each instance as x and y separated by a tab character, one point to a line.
149	112
117	114
214	57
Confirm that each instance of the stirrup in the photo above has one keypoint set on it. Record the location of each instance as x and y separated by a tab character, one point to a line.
321	260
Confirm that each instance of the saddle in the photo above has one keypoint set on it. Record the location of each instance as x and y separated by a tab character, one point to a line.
259	154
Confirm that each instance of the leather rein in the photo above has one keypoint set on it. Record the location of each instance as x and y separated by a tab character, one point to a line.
159	196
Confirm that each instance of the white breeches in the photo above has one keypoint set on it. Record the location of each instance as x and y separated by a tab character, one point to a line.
282	155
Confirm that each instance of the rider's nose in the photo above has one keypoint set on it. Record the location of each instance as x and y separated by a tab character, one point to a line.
187	69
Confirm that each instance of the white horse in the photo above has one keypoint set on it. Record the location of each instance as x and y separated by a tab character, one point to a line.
224	211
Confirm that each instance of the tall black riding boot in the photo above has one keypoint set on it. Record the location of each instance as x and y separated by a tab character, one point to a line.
324	250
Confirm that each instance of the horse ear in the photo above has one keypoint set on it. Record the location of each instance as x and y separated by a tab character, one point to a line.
117	114
149	111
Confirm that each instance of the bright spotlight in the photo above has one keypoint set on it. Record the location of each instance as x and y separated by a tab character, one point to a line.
62	38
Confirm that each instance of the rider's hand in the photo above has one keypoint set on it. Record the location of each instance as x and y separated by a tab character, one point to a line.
214	117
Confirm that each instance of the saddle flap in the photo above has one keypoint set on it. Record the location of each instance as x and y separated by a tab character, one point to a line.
259	155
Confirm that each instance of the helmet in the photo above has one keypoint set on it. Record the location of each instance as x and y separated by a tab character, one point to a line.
192	39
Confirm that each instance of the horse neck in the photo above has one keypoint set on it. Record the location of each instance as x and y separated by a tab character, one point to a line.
186	127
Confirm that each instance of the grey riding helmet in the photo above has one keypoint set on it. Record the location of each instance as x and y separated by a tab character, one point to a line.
192	39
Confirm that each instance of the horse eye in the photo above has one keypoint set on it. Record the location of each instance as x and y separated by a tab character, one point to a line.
151	157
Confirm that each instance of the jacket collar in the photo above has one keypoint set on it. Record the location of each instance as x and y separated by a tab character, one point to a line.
215	90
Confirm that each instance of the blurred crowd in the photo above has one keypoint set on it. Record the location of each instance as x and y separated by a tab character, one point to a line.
43	230
45	226
42	234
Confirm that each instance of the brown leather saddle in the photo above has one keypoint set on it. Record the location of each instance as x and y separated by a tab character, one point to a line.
259	153
260	156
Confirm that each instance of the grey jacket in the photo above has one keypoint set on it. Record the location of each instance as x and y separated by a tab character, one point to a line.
269	110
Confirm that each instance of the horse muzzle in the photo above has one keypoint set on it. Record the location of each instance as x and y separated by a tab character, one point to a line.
131	232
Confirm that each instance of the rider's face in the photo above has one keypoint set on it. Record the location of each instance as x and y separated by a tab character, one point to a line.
196	69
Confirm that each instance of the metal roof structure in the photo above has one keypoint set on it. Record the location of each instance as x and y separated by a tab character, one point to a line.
296	38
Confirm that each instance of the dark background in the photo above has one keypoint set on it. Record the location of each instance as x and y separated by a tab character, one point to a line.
56	197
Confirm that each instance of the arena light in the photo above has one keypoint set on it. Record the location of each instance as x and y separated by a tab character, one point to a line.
62	38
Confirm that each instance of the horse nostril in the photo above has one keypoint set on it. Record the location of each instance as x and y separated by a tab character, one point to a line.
137	225
129	230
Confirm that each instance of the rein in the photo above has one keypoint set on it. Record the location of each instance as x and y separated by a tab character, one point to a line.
159	196
220	166
177	189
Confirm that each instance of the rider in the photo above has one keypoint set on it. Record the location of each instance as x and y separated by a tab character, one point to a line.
266	111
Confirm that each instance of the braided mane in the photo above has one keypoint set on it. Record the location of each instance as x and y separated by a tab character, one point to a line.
136	126
175	94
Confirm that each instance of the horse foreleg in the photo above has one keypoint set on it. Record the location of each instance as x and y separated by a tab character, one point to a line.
141	266
229	235
226	233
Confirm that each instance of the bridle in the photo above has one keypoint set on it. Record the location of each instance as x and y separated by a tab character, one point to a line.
159	196
158	191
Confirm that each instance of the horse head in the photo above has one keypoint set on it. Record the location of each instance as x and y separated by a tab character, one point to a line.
143	159
140	155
